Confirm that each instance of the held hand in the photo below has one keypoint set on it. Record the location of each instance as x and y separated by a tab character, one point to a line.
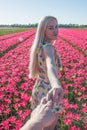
56	94
41	116
43	113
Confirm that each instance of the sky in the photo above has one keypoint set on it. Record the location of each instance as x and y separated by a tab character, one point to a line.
31	11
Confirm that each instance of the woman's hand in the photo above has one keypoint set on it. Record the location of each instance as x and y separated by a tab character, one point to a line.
56	94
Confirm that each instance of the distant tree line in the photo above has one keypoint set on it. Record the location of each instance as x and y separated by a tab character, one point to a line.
72	26
20	25
36	24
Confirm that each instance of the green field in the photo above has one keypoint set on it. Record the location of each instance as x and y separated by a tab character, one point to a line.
4	31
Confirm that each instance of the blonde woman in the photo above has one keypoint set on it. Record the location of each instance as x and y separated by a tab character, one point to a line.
45	62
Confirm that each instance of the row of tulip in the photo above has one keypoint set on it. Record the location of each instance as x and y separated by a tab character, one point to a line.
15	86
14	34
77	37
14	39
74	81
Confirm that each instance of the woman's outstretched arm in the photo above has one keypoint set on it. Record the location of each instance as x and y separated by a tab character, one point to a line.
56	90
51	66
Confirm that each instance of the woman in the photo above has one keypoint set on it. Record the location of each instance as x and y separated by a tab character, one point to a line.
44	64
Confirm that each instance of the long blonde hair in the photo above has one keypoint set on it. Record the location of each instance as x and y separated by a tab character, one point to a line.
33	66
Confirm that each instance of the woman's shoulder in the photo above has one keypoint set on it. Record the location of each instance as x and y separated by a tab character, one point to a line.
44	44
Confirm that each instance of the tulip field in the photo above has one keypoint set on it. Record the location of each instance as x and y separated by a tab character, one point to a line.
16	87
